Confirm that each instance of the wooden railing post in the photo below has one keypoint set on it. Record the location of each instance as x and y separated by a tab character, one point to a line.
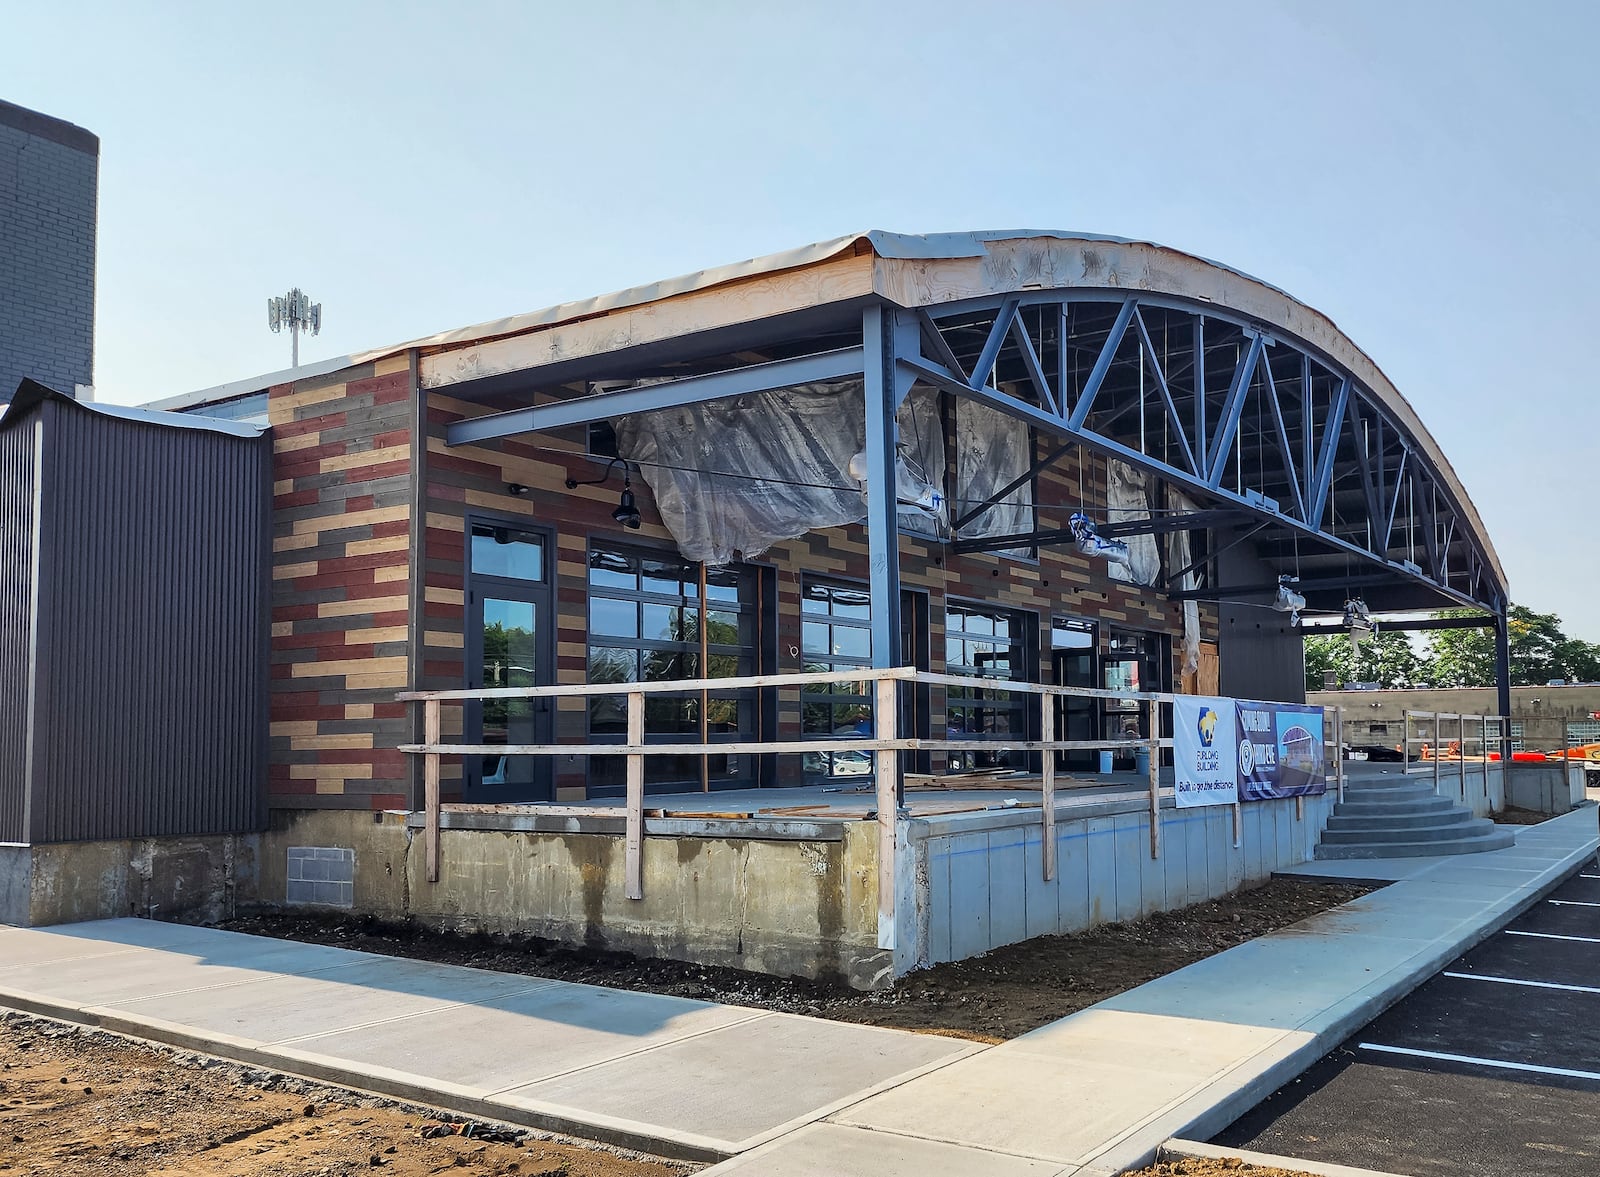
634	864
1153	738
886	766
1436	722
1047	782
431	736
1338	748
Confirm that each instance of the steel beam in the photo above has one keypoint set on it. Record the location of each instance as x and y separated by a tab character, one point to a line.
1232	410
1166	393
991	346
830	365
883	523
1030	360
1283	439
1102	365
1412	625
1331	429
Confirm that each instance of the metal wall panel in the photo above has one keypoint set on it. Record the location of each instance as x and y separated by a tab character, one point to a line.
1262	655
153	625
17	472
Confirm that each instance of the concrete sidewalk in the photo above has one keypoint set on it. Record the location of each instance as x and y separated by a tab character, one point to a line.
679	1078
1184	1055
782	1095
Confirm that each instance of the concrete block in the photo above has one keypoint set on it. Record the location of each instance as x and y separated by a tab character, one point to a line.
1007	861
1101	837
1130	845
969	895
16	884
1041	916
941	902
1073	887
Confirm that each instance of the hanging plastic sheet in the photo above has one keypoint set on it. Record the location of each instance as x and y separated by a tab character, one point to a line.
1128	500
993	449
733	477
1180	555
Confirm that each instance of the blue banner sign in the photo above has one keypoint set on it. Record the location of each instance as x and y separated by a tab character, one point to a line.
1281	751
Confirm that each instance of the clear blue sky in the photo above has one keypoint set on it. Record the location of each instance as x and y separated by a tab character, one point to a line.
1422	172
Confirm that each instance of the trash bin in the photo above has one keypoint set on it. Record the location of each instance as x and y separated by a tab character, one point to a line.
1141	761
1105	759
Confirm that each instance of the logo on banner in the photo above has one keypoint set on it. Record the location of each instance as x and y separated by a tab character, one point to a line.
1206	726
1247	756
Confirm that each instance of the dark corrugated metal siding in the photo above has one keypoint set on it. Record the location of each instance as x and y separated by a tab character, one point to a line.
16	584
151	671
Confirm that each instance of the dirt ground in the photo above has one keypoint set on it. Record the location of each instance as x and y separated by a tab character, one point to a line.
1222	1167
988	998
1513	815
82	1103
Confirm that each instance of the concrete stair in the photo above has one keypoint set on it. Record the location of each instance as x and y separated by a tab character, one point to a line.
1402	817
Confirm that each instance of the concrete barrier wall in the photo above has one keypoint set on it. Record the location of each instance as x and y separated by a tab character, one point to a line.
976	882
802	906
1551	787
163	878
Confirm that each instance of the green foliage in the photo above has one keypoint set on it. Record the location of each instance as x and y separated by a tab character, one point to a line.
1540	652
1387	659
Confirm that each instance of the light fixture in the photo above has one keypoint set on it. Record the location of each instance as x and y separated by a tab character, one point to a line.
516	489
1288	600
627	510
1358	620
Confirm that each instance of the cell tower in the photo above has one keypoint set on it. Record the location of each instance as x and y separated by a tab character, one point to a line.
297	312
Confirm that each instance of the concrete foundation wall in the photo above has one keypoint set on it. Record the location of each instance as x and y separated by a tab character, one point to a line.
1546	788
163	878
790	906
978	883
798	903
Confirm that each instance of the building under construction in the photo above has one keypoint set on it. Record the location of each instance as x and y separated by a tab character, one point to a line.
822	613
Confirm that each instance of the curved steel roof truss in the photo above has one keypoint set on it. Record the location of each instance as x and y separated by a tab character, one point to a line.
1230	412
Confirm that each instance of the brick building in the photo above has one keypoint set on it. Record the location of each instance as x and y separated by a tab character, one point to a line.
49	184
1013	459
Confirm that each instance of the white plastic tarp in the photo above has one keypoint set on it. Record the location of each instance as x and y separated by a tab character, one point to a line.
733	477
1128	500
993	449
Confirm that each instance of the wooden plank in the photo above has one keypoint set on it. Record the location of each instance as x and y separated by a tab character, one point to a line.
1047	786
886	768
586	334
634	882
1153	730
430	788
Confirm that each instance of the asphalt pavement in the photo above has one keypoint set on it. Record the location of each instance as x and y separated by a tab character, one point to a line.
1492	1067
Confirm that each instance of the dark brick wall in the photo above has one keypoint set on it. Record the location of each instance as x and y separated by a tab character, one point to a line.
49	178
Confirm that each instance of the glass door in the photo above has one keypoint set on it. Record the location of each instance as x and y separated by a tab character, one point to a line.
508	645
1073	649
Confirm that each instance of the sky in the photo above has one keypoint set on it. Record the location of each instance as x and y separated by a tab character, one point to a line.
1422	172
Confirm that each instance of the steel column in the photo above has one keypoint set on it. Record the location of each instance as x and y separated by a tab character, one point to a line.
883	524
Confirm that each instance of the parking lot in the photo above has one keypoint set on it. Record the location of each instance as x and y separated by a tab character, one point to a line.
1492	1067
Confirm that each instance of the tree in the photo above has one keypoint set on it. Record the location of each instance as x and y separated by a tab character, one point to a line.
1387	658
1540	652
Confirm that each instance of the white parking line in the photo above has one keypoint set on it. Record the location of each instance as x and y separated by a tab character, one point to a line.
1553	936
1482	1062
1589	876
1571	903
1529	984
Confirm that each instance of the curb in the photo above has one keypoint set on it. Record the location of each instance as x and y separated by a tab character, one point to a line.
1177	1149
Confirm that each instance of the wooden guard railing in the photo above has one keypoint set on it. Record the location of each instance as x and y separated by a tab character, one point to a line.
886	744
